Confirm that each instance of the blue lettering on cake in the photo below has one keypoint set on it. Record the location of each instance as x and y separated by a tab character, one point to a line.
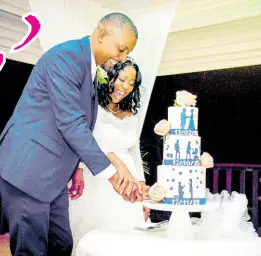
184	201
181	162
185	132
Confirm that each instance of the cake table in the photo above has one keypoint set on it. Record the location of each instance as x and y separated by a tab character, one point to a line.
116	241
180	225
127	241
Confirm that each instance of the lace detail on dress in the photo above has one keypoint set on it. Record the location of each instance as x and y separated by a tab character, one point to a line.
128	122
113	116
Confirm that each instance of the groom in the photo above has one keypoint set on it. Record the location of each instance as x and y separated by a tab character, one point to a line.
50	131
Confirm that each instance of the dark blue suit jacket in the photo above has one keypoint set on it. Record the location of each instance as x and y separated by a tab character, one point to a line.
51	127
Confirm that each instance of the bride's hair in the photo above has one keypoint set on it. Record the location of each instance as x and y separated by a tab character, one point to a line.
131	102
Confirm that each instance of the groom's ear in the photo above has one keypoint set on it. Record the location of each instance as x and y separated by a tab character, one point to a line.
102	33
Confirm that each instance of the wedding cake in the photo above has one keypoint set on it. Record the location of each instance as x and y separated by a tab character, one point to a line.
182	173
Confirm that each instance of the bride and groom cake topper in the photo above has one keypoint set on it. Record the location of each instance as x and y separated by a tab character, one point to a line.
190	125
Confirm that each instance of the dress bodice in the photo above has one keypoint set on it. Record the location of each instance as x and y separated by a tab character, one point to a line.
113	133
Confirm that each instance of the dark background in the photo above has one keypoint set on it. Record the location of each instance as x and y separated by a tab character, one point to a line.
229	113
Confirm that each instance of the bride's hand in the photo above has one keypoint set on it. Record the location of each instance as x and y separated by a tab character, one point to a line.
123	182
136	196
144	190
76	189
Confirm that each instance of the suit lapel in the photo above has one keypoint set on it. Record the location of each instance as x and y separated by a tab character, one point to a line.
93	107
95	83
95	103
86	51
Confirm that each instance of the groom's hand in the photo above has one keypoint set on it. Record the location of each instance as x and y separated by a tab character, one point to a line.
144	190
76	190
136	196
122	181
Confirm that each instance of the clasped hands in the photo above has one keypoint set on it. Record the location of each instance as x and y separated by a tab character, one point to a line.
122	181
127	186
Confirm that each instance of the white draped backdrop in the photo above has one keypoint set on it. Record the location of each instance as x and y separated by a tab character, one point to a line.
68	19
204	34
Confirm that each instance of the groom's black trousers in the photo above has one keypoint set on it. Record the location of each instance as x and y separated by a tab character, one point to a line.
36	228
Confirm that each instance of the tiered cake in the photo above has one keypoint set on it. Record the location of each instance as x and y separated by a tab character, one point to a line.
180	172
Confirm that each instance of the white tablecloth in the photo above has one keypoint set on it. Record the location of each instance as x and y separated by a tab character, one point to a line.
126	242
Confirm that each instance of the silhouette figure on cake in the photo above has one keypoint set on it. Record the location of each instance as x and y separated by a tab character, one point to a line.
183	118
191	125
181	193
190	188
195	153
177	149
188	154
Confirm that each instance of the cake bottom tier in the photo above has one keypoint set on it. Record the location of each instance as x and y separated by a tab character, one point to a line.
186	185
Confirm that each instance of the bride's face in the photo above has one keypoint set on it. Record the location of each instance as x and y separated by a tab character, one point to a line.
124	84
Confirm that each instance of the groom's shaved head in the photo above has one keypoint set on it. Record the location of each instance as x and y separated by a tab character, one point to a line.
113	39
120	20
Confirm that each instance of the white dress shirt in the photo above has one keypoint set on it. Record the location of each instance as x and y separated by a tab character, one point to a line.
110	170
93	66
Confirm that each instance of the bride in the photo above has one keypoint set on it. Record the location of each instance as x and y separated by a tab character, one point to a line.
117	135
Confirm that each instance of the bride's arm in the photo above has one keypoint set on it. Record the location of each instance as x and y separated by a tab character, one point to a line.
116	161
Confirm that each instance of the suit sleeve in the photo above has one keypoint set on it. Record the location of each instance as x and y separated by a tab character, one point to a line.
63	77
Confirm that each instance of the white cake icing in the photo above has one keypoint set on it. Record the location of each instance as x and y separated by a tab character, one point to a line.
181	150
180	172
185	185
184	120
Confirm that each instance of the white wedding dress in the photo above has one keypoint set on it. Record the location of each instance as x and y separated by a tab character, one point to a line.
100	206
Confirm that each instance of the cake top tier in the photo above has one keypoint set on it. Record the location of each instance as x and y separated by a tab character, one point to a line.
183	116
183	121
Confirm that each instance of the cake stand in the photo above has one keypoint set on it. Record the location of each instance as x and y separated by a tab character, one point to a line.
180	225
